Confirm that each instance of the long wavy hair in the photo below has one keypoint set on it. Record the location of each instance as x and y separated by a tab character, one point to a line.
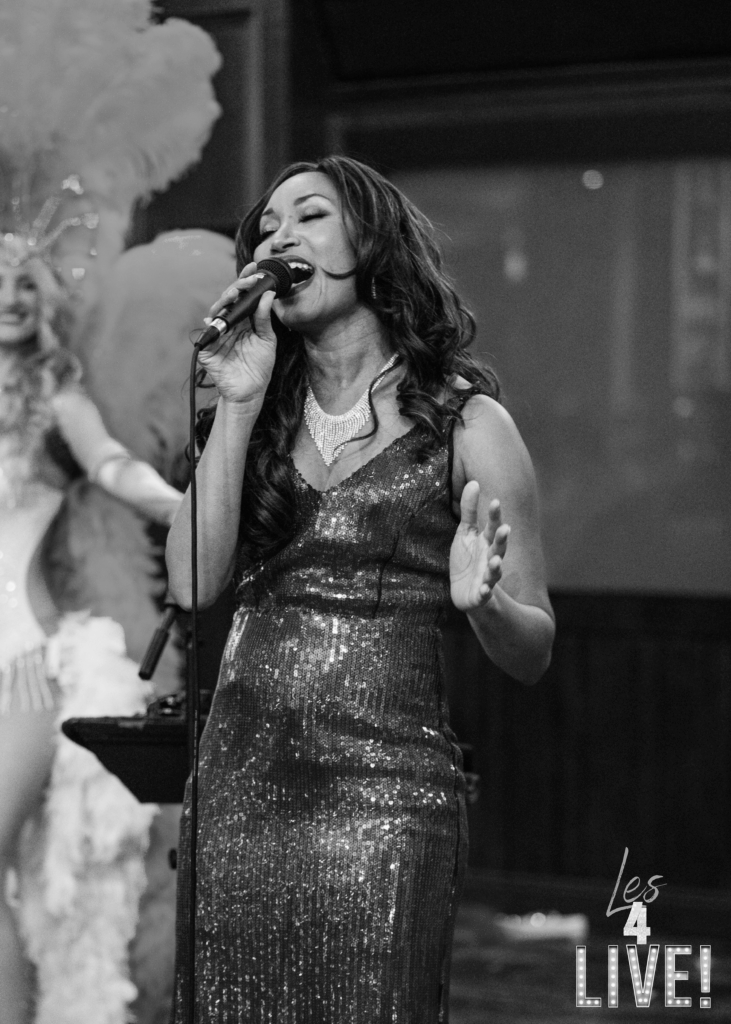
42	363
399	275
39	367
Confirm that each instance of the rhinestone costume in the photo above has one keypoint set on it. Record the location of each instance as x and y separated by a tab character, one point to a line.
28	504
332	829
23	523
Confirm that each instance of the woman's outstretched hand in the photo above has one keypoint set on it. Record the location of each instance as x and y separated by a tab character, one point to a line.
476	556
241	362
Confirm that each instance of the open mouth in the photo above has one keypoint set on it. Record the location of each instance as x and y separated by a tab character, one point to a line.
302	271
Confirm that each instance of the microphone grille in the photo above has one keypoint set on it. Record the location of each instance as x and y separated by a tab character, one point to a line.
280	271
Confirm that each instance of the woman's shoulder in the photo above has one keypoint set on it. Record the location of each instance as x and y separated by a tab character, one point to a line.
487	439
481	414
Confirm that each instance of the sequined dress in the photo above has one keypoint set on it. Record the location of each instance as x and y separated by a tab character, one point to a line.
332	830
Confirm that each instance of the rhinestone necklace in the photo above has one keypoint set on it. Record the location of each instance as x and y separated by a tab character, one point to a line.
331	433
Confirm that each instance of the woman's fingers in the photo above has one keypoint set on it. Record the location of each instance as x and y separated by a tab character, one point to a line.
476	558
494	570
231	295
493	576
494	519
260	319
263	317
500	540
217	350
496	532
245	280
468	504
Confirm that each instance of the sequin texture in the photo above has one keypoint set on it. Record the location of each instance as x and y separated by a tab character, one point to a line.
332	830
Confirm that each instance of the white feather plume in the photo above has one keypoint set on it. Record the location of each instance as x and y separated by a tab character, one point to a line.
138	365
92	87
82	872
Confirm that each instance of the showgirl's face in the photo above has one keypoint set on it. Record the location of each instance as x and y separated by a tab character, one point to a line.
304	218
20	305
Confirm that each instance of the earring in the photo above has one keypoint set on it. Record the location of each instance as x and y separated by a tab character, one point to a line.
373	289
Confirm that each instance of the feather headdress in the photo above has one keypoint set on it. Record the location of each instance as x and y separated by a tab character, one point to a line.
98	108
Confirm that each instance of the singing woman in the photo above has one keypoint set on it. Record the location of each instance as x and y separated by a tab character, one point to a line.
357	475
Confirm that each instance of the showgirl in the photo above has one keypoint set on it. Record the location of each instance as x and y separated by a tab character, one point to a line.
99	107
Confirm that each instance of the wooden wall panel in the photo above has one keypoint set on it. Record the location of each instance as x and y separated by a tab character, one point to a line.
625	742
251	139
529	99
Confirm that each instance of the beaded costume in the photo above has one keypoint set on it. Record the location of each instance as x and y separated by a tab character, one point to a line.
332	829
31	491
67	847
28	504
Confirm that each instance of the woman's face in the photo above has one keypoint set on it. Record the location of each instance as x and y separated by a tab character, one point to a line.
20	305
304	218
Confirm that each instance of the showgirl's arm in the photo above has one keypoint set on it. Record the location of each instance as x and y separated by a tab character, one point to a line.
108	463
497	565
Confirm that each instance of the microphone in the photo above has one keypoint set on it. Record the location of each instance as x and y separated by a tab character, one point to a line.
279	275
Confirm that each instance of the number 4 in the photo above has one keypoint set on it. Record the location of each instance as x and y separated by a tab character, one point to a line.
637	923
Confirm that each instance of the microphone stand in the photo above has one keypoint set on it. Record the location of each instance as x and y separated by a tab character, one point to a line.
193	702
279	274
157	645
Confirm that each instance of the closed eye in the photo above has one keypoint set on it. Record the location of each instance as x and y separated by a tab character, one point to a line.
315	215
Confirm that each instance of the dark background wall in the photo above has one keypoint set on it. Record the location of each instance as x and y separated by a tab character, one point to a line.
625	743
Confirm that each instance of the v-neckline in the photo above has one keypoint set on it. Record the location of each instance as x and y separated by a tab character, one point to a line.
356	471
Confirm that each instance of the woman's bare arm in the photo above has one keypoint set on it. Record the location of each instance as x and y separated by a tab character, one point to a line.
108	463
497	564
219	477
240	365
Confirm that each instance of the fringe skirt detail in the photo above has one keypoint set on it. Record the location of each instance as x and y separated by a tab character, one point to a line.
25	685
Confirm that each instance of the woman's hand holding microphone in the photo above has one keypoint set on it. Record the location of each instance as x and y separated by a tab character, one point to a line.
240	363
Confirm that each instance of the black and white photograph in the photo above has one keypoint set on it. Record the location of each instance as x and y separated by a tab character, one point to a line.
365	511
